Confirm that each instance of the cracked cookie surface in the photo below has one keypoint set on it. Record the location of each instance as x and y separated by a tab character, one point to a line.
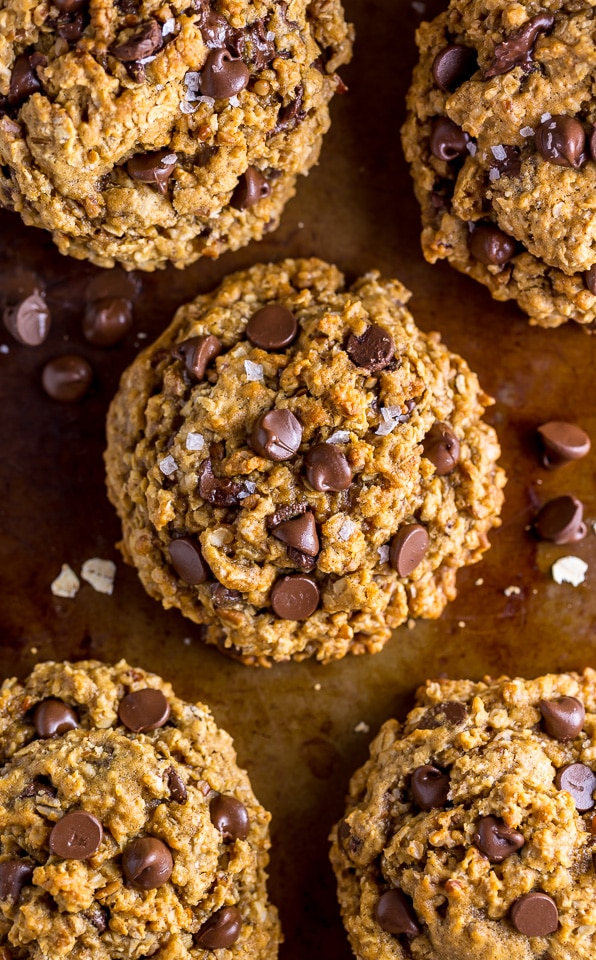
297	467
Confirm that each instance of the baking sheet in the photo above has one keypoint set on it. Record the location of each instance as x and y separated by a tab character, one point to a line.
300	729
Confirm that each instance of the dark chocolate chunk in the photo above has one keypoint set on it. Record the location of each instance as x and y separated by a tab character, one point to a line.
295	597
106	322
447	141
221	930
562	140
441	447
220	491
373	350
223	76
67	378
518	49
535	915
23	80
496	840
187	559
156	167
590	279
327	468
430	787
76	836
273	327
394	912
251	188
508	165
561	520
14	875
580	781
176	786
301	561
447	711
52	718
563	442
408	547
299	533
29	321
490	245
276	435
453	65
562	718
197	353
70	26
147	863
144	43
230	817
142	710
290	115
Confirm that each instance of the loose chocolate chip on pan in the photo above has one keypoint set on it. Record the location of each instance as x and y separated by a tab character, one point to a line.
299	533
563	442
295	597
28	321
147	41
561	520
429	786
447	141
67	378
273	327
490	245
220	491
197	353
223	76
154	167
187	559
147	863
23	80
496	840
446	712
518	49
52	718
580	781
76	836
230	817
221	930
394	912
327	468
276	435
251	188
442	448
562	718
142	710
107	321
453	65
373	350
176	786
535	915
562	140
407	548
14	875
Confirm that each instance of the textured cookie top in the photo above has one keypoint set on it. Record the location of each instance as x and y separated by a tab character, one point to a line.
145	131
127	829
469	832
298	466
501	138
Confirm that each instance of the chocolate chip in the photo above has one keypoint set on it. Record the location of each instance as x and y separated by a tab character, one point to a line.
291	114
23	80
69	6
561	520
76	836
300	533
14	875
38	787
295	597
187	559
224	597
301	561
496	840
230	817
251	188
407	548
453	65
441	447
98	918
176	786
155	167
142	710
141	44
447	141
221	930
590	279
276	435
508	163
394	912
562	140
147	863
52	718
445	712
287	512
197	353
373	351
214	28
563	442
430	787
219	491
70	26
28	321
223	76
106	322
273	327
562	718
517	50
67	378
327	468
580	781
535	915
255	43
490	245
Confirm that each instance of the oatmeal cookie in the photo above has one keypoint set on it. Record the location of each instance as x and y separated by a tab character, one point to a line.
298	467
469	832
501	140
144	132
127	829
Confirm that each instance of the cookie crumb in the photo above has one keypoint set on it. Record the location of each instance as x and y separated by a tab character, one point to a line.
411	623
569	570
362	727
100	574
512	591
66	583
317	686
461	624
479	582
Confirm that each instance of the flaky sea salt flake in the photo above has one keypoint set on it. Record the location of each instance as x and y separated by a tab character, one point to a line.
100	574
347	529
339	436
569	570
471	148
168	27
383	553
66	583
168	466
254	371
499	152
527	132
195	441
362	727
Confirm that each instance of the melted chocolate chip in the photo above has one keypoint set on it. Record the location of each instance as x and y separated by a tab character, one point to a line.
187	560
508	165
407	549
28	321
142	710
442	448
562	718
496	840
590	279
327	468
215	29
197	353
301	561
69	6
286	512
98	918
276	435
252	187
176	786
453	65
563	442
394	912
144	43
106	322
299	533
219	491
147	863
447	141
230	817
518	49
14	875
221	930
23	80
254	44
373	350
156	167
224	597
295	597
445	712
561	520
490	245
535	915
580	781
430	787
52	718
70	26
67	378
273	327
562	140
76	836
223	76
290	115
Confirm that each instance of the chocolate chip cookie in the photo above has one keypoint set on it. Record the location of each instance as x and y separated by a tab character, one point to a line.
298	467
502	145
469	832
127	829
149	132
